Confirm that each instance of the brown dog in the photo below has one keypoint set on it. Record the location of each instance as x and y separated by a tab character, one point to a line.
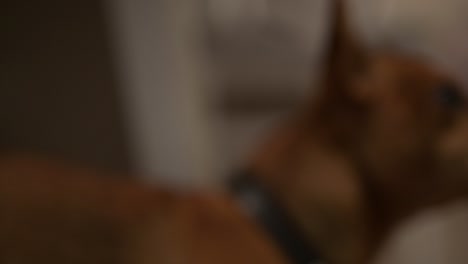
385	137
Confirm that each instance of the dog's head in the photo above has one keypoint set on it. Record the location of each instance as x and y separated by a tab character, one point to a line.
389	125
403	122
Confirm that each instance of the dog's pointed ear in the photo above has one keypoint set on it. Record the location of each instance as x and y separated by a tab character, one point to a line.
345	58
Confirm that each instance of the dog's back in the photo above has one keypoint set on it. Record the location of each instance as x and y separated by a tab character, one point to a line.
53	213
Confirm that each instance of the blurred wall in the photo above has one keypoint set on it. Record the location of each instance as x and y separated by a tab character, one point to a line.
159	49
58	92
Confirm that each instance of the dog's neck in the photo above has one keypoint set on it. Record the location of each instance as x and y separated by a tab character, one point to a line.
258	202
324	191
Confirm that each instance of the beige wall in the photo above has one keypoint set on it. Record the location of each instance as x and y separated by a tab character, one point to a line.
163	72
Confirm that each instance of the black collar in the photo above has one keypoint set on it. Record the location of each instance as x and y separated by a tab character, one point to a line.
260	204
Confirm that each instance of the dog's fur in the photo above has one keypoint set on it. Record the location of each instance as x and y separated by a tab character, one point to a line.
385	137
